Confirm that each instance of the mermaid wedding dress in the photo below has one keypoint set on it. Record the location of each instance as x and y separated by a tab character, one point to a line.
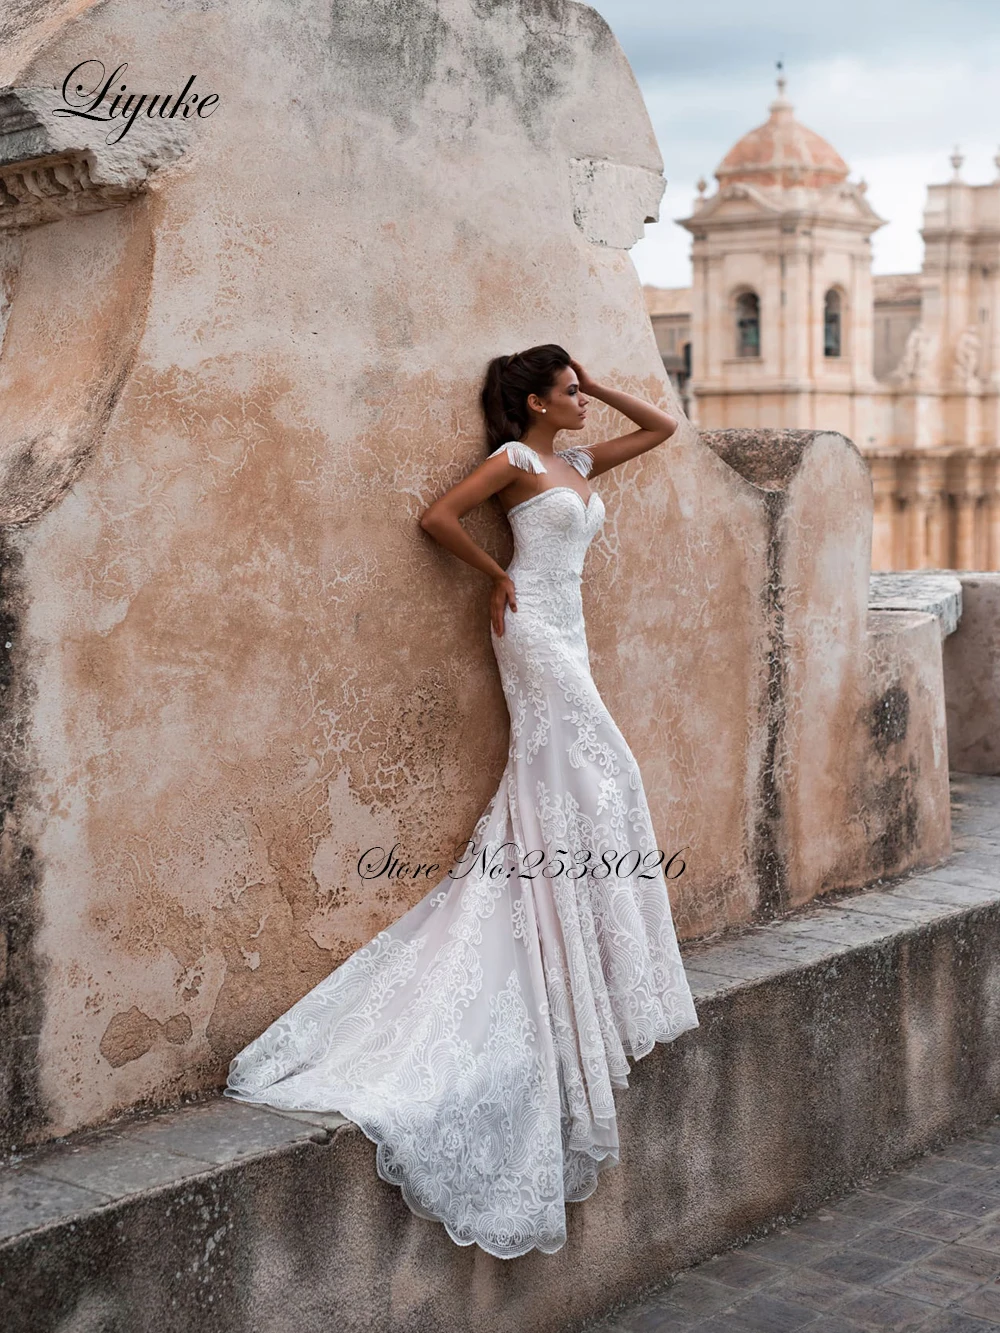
478	1039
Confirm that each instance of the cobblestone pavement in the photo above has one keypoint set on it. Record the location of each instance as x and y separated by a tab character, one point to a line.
916	1248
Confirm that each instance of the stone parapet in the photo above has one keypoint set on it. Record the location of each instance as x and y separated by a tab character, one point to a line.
967	604
937	592
972	677
850	747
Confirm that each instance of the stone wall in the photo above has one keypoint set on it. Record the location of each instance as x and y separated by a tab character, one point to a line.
239	361
852	766
972	678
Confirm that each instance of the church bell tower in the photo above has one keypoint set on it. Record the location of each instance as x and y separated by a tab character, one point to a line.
782	286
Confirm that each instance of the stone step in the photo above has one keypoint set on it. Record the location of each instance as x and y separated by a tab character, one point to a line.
834	1043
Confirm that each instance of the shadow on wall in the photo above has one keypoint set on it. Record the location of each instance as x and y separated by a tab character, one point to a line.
77	296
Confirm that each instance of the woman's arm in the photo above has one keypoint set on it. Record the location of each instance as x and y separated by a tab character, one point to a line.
654	426
441	520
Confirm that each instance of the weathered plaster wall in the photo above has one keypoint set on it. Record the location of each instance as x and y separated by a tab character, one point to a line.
825	559
864	747
248	662
235	659
972	677
68	348
900	795
852	762
686	683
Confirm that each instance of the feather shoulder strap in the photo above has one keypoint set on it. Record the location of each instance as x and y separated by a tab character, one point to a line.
580	457
522	456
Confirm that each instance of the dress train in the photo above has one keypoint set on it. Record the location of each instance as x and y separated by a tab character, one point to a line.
478	1039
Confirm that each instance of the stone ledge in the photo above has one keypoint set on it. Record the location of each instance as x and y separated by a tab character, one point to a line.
936	591
156	1148
833	1042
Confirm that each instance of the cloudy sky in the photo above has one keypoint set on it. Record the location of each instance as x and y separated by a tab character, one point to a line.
892	84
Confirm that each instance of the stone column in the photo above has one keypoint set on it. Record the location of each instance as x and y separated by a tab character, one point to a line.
913	533
993	530
965	536
883	473
934	480
934	532
929	527
991	511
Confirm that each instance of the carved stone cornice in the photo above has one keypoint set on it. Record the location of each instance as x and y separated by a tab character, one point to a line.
52	169
47	189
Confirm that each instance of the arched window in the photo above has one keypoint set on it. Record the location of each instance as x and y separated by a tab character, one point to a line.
831	323
748	324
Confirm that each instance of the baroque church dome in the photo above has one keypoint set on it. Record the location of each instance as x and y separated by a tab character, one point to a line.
782	153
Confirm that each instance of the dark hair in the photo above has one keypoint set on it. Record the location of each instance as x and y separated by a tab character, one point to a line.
509	381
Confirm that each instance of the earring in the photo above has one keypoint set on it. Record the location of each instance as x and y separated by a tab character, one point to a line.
545	409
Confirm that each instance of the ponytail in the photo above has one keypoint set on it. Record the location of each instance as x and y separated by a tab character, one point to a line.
509	380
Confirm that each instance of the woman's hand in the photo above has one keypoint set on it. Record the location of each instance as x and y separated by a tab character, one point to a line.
587	385
503	593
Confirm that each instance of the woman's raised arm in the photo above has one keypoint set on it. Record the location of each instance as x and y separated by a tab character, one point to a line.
654	426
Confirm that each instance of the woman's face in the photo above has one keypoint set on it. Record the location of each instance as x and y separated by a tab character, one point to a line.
565	406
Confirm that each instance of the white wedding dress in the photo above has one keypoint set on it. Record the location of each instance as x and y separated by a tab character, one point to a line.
478	1039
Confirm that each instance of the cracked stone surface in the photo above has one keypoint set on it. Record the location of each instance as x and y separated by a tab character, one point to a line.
914	1249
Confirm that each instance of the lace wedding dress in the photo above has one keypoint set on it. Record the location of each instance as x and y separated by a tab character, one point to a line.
478	1039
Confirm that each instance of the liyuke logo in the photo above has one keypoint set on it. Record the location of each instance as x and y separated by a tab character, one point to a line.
102	102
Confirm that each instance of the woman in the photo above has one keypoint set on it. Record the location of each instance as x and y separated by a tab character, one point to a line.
478	1039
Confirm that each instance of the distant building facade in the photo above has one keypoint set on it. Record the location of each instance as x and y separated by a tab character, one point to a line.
785	325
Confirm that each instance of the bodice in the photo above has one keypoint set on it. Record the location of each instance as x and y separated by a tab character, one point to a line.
552	530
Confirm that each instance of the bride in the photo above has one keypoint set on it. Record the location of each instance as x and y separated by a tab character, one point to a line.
478	1039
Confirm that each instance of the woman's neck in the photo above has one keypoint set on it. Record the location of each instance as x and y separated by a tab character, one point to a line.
541	440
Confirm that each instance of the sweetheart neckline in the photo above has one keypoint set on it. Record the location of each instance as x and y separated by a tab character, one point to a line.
572	490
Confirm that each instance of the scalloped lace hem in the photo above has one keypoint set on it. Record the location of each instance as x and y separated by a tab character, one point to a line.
602	1157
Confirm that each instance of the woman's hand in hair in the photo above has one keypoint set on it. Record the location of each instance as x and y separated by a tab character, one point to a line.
587	385
503	593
